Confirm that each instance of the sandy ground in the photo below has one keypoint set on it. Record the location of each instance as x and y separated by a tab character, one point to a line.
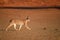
45	24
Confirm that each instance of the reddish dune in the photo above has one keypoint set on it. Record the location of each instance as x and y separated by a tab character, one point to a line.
29	3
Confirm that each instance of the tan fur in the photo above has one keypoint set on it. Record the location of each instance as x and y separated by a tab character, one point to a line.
18	22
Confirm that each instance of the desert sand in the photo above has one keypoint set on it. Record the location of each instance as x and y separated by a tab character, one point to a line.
45	24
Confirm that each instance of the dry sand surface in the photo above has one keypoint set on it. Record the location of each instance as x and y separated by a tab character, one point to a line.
45	24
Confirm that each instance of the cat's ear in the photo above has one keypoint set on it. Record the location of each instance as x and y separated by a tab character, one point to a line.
27	17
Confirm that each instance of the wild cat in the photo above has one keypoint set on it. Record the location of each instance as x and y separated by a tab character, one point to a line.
20	23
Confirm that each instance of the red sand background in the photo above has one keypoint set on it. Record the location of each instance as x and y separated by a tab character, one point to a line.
29	3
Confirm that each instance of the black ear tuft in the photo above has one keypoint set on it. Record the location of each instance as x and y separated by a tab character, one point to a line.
10	20
27	17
